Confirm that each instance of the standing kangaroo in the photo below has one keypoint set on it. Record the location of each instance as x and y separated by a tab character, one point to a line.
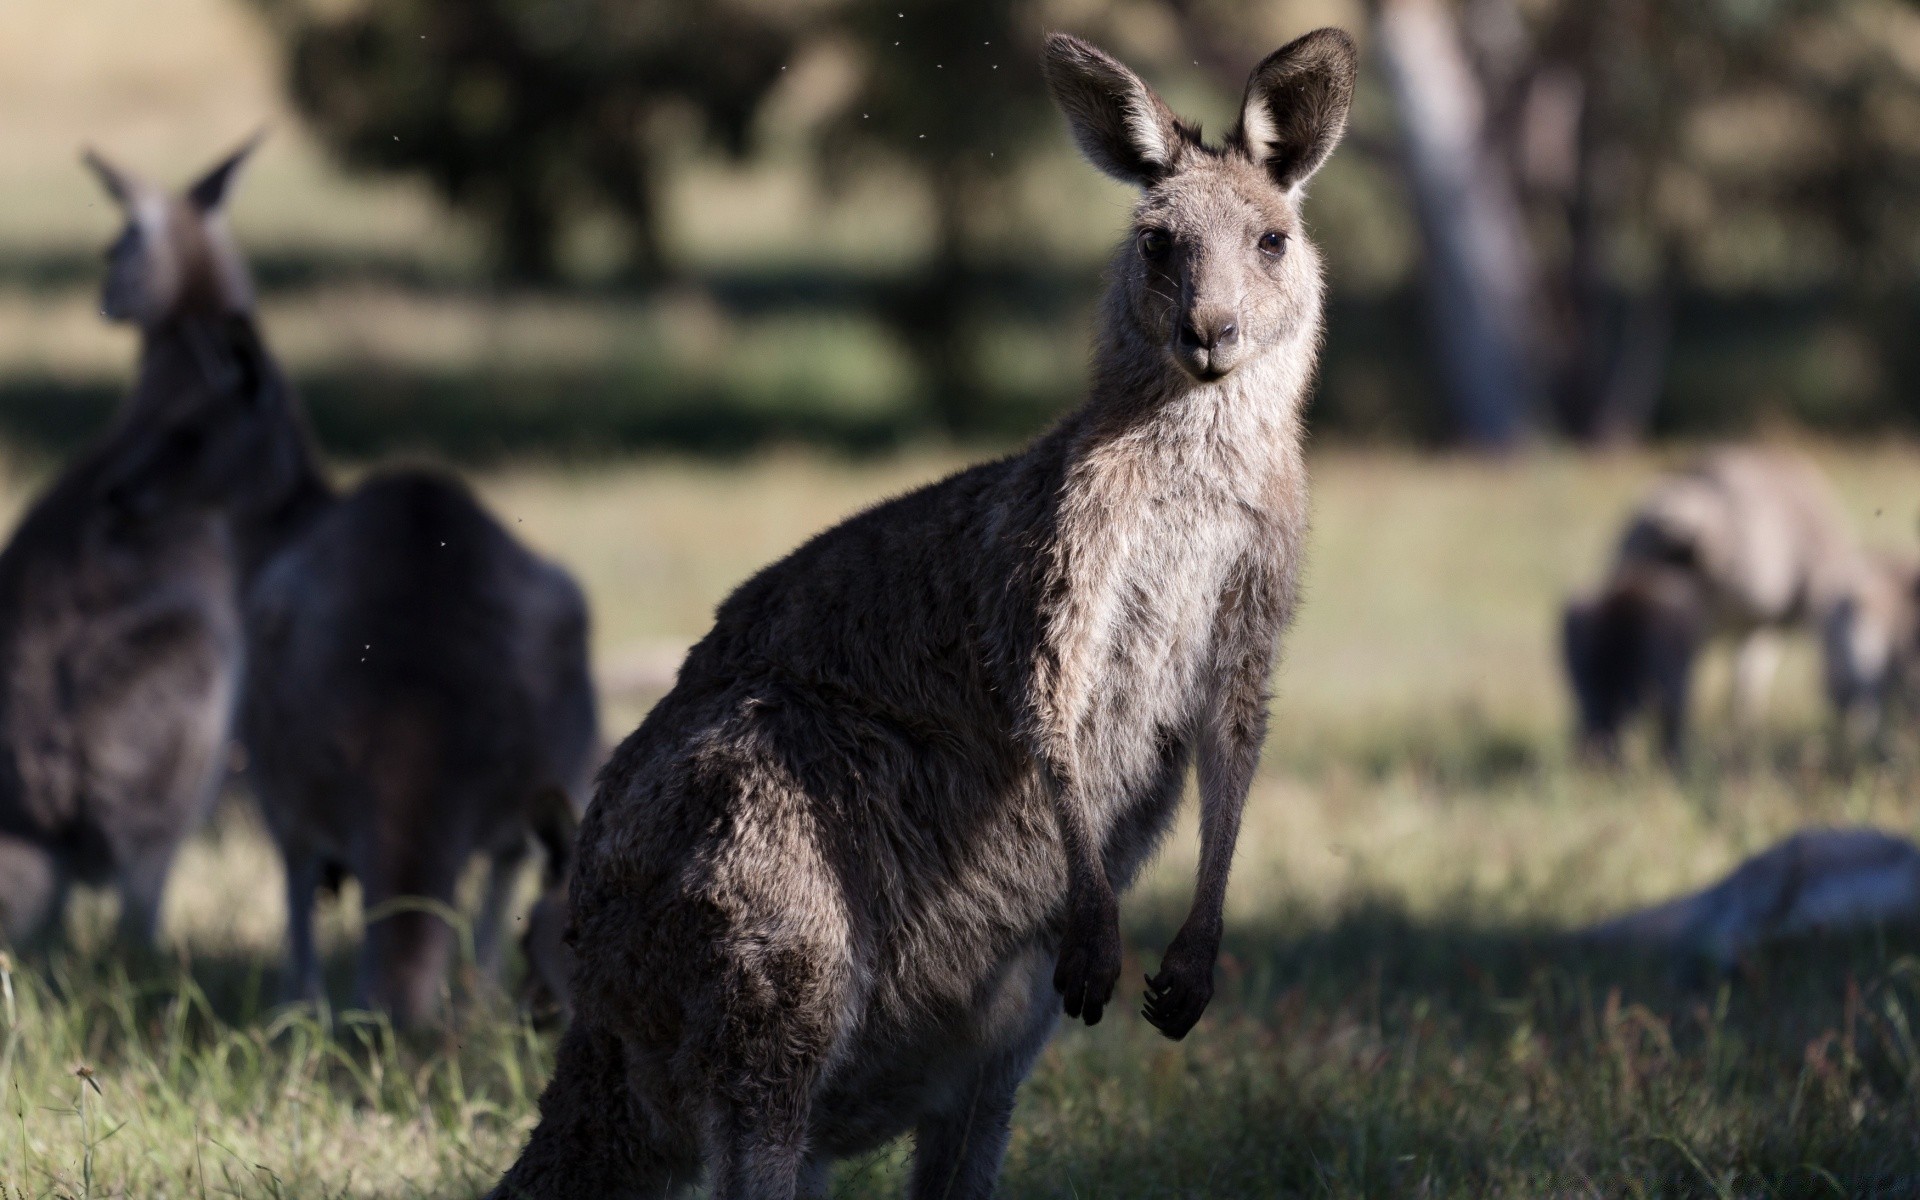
417	693
416	686
120	632
840	883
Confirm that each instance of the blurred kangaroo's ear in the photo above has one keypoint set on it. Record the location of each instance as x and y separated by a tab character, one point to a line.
1296	105
210	190
119	184
1117	121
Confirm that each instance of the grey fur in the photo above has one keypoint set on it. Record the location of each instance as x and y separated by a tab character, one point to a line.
1741	544
840	883
1817	881
417	689
119	627
1870	637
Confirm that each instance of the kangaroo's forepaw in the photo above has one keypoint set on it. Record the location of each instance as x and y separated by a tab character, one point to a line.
1089	968
1178	995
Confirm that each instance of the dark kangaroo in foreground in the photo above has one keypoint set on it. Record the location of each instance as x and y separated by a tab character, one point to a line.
120	640
840	883
416	687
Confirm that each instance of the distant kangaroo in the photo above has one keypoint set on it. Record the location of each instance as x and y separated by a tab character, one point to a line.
1742	543
416	687
417	693
120	632
838	884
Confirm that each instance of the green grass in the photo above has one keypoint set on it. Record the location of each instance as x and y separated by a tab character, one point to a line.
1399	1013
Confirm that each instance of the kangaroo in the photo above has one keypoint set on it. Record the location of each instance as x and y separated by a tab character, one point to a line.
119	621
1740	544
841	882
417	689
1823	880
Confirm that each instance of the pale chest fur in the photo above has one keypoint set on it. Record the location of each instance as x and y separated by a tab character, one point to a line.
1162	526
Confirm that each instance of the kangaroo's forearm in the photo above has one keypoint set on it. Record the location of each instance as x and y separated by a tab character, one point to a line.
1226	776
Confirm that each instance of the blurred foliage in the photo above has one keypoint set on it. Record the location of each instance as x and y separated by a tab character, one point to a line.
531	112
1718	196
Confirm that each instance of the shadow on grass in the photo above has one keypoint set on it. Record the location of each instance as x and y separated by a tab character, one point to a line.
1380	1054
1388	1055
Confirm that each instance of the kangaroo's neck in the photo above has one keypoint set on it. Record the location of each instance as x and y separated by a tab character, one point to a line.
1241	429
197	352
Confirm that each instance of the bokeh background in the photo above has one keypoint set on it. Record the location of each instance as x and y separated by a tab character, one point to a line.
678	283
493	227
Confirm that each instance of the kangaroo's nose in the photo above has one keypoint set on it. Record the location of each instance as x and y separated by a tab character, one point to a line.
1210	333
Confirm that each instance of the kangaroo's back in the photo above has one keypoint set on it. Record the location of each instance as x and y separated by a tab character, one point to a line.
1759	527
417	684
408	593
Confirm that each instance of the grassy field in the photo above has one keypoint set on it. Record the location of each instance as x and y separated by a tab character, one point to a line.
1398	1014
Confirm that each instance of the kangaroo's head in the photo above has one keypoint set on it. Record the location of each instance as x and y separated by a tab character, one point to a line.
176	254
1218	270
1629	647
212	421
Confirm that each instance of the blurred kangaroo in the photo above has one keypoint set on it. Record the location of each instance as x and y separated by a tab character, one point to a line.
842	880
417	691
416	687
1818	881
1741	544
119	621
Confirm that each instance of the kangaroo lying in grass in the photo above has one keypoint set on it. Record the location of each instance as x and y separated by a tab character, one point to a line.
1823	880
1741	544
119	592
840	883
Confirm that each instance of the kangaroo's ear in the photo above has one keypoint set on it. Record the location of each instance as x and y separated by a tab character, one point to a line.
1296	105
1117	121
209	192
119	184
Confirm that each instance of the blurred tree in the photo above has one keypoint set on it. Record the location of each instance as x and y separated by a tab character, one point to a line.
527	113
948	90
1480	269
1662	148
1586	176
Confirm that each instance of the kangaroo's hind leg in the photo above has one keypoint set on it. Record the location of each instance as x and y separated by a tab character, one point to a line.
594	1138
957	1153
783	1006
503	874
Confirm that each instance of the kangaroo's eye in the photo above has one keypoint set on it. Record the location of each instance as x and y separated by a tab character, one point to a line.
1272	243
1154	244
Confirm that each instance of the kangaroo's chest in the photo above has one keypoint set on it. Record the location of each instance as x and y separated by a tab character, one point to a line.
1147	631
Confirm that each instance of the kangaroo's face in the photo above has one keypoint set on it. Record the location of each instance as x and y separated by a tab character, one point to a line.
216	414
175	254
1218	270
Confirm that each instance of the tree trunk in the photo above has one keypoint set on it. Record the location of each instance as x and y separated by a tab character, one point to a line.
1479	268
